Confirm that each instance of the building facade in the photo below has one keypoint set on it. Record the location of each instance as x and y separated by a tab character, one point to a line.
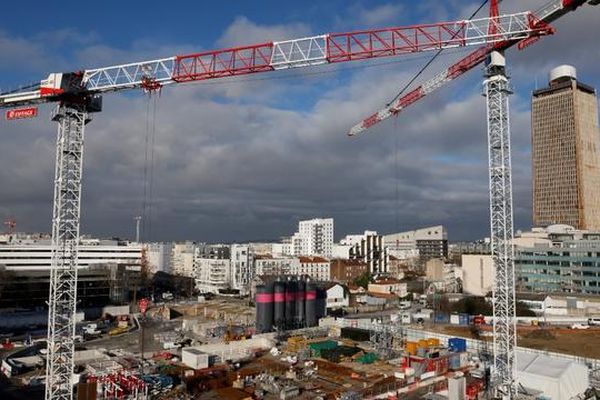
36	254
368	248
565	153
182	259
424	243
212	268
316	237
569	263
242	268
318	268
159	257
346	271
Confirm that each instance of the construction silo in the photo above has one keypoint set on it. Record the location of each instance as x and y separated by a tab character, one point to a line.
264	308
300	299
279	303
290	303
310	310
321	303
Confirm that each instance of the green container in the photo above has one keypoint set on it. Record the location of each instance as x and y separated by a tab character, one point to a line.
368	358
317	347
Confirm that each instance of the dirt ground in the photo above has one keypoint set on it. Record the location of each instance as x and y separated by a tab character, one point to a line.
583	343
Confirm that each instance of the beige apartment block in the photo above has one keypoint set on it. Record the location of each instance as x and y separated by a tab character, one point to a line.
565	154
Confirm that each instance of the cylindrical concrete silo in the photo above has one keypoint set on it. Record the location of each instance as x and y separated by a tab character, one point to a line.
279	303
310	306
264	308
321	303
290	303
300	299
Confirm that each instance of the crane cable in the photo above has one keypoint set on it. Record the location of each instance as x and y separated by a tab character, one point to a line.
149	161
433	58
396	161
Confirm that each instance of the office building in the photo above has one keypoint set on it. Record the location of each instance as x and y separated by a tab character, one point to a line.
242	271
424	244
565	153
35	253
568	261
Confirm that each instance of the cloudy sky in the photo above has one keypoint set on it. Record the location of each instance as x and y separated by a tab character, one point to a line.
245	159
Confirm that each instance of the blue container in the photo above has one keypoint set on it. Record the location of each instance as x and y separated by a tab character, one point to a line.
457	345
463	319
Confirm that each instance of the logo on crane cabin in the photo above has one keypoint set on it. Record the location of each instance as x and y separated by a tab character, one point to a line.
52	85
21	113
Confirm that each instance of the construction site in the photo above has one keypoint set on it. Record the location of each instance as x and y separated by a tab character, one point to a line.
287	348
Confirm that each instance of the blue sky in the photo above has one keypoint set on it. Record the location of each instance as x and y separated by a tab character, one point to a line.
246	158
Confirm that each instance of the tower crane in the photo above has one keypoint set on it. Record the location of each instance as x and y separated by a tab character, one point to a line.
496	90
78	95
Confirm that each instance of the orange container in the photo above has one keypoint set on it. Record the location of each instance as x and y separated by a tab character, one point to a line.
423	343
411	348
433	342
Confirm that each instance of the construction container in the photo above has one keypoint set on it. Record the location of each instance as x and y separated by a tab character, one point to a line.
454	362
195	358
433	342
423	343
296	343
317	347
356	334
368	358
454	320
457	345
463	319
411	348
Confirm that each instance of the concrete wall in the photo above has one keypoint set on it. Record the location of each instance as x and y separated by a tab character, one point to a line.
478	274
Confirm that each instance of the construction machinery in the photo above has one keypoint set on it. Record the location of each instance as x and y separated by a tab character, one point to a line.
78	95
496	89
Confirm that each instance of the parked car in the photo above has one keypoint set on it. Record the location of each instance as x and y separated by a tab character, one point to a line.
593	321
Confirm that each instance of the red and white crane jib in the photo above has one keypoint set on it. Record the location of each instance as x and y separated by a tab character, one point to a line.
539	20
315	50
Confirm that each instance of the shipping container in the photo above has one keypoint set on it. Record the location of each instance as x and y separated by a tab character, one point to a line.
457	345
433	342
411	348
454	320
463	319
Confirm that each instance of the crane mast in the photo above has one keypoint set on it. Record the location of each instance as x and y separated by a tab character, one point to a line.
496	92
78	95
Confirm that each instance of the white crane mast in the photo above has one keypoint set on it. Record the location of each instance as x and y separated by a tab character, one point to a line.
78	95
496	91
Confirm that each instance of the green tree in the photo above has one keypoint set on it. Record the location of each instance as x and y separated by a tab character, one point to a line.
363	280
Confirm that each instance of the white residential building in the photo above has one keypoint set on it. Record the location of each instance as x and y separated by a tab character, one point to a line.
159	257
316	237
338	296
318	268
182	259
213	275
270	265
242	271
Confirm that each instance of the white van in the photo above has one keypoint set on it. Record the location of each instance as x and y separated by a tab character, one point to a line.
594	321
